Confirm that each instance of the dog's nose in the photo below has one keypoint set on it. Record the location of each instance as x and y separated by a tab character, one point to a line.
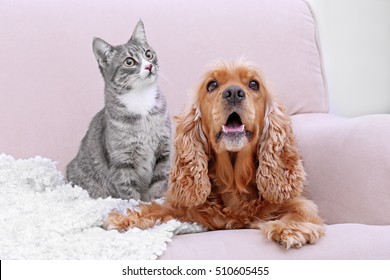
233	94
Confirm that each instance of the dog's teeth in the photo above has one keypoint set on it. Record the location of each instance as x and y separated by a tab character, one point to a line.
243	127
223	129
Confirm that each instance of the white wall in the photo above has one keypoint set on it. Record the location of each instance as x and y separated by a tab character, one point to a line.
355	39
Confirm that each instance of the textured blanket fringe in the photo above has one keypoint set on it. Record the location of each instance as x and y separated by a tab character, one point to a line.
43	217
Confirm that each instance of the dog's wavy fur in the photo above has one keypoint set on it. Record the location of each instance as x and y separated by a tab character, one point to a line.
254	182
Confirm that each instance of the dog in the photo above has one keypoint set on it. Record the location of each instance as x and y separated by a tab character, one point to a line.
236	165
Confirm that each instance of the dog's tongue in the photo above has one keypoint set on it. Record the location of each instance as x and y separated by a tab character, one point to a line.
233	127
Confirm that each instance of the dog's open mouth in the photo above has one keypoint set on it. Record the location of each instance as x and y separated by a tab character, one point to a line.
233	124
233	128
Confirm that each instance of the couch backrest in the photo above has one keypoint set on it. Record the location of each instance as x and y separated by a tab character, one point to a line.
50	85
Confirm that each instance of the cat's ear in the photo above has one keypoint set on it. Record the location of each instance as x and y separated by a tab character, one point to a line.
103	51
139	34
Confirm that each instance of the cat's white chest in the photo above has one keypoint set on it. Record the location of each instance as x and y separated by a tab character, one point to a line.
140	101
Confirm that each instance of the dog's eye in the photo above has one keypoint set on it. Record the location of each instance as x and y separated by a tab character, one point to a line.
212	85
254	85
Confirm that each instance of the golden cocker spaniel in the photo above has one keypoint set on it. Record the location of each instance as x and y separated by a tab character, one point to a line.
236	165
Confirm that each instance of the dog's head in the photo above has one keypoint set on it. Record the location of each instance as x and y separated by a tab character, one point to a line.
231	101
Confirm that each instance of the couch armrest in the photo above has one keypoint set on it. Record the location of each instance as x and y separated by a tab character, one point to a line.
348	166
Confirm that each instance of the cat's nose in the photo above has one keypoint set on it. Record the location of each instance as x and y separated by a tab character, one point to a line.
149	67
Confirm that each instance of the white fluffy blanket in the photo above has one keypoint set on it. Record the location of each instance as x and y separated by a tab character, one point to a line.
42	217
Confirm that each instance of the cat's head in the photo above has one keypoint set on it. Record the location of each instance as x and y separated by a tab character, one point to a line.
129	66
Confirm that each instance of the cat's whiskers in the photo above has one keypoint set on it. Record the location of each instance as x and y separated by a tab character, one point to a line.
165	78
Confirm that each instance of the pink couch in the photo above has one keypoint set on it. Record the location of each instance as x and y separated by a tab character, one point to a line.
51	87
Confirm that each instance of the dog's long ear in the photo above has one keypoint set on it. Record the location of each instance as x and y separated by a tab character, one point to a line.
189	182
280	174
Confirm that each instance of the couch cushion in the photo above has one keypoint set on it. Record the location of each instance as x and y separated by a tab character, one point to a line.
279	36
348	166
342	241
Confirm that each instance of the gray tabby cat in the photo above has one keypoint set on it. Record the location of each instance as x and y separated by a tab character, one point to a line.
126	151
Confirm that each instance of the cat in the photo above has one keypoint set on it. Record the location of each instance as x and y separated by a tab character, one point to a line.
126	150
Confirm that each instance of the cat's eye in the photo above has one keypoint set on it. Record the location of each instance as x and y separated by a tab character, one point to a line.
212	85
129	62
149	55
254	85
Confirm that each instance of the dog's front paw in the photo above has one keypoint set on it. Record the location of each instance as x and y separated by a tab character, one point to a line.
292	238
116	221
293	235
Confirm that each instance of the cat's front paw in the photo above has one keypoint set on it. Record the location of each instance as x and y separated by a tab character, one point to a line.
129	193
156	191
116	221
